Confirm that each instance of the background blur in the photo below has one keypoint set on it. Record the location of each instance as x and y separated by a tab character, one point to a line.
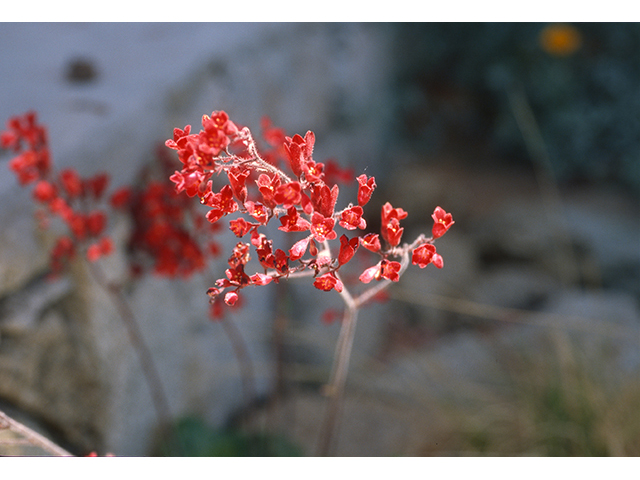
526	343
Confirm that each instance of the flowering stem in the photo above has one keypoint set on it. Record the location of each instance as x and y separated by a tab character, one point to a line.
158	395
34	438
335	388
338	379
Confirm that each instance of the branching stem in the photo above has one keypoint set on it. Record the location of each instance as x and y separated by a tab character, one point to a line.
33	437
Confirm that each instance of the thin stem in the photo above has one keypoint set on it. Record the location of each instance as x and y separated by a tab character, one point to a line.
335	388
158	395
34	438
244	359
253	151
567	262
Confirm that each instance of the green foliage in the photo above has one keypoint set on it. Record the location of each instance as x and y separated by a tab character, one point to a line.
196	439
455	80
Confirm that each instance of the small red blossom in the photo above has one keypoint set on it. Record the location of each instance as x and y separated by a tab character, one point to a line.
371	241
351	218
390	270
391	230
261	279
281	261
240	227
365	189
299	248
292	222
322	227
258	211
231	298
96	221
237	276
347	249
239	255
237	180
267	186
289	194
333	173
370	273
383	269
97	184
222	203
313	172
121	197
442	222
71	182
99	249
328	282
324	199
189	180
426	254
299	150
45	191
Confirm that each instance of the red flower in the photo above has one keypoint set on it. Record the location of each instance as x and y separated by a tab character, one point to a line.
222	204
299	248
384	269
322	227
212	140
71	182
391	230
189	180
239	255
442	222
267	186
371	241
258	211
179	138
99	249
231	298
96	221
236	276
261	279
240	227
288	194
365	189
324	199
347	249
328	282
313	172
281	261
351	219
333	173
426	254
370	273
292	222
390	270
237	180
121	197
44	191
299	150
97	185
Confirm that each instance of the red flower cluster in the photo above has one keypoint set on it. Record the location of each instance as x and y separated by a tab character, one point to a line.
169	230
64	195
304	201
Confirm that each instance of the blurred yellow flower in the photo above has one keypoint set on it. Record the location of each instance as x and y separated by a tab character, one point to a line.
559	39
